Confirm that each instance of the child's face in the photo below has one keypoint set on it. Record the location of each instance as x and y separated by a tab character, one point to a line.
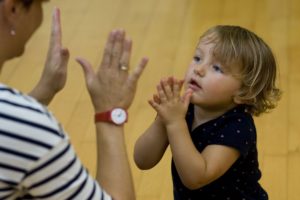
213	84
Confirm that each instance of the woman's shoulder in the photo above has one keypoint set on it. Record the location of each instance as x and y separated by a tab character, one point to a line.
21	110
13	97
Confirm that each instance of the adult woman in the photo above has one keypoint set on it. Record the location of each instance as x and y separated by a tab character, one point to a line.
36	158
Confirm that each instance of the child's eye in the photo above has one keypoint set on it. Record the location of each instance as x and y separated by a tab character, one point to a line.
197	58
217	68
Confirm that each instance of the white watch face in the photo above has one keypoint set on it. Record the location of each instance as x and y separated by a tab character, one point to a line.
118	116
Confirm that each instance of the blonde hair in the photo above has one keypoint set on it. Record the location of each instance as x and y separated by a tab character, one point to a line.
234	44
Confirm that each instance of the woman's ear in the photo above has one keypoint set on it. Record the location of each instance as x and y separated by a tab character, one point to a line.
11	11
9	7
12	8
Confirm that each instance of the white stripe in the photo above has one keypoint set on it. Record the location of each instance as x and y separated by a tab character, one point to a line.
21	99
23	147
21	103
106	196
15	160
29	132
73	188
41	120
45	119
87	189
59	181
10	175
53	167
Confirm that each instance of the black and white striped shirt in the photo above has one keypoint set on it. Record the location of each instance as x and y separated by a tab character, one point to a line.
36	158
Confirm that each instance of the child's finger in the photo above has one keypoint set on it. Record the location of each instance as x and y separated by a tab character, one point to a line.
170	81
167	88
161	94
153	104
176	88
186	98
156	98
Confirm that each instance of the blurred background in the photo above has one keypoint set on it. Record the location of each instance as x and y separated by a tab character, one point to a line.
167	32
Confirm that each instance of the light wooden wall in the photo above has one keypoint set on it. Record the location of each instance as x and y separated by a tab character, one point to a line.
167	31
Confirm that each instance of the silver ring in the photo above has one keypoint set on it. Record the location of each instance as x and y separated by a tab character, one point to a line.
124	67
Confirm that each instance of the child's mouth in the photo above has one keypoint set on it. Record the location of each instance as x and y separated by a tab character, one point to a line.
194	85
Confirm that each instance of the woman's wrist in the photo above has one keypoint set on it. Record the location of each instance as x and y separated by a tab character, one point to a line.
41	95
116	116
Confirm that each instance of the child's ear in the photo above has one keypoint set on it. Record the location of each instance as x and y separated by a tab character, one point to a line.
237	99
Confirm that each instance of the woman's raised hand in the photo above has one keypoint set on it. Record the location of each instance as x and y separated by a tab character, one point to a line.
54	75
112	85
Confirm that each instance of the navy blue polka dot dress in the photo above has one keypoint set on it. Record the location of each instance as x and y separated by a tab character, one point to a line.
236	129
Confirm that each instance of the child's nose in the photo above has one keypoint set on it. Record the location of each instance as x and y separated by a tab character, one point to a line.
199	70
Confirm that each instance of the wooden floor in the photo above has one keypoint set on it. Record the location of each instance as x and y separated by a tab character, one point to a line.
167	31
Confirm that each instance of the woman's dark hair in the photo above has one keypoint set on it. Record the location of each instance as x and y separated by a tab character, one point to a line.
26	3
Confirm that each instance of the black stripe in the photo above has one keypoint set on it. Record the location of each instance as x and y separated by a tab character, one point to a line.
25	139
29	123
93	192
79	189
20	106
6	89
54	175
19	154
5	189
7	196
62	187
12	168
9	182
102	195
47	164
26	196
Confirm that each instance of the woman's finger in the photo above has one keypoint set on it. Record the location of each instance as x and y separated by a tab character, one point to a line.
106	58
87	68
117	49
65	54
125	57
135	75
55	37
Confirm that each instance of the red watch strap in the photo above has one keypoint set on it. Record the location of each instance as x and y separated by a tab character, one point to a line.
103	116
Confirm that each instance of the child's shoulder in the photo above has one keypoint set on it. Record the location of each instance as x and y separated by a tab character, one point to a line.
238	115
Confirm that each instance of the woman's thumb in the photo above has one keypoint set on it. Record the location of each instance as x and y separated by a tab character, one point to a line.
86	66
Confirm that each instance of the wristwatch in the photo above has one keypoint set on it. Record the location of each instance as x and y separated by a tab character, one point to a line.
116	116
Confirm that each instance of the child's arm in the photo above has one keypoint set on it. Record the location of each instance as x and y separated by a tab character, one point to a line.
195	169
151	145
